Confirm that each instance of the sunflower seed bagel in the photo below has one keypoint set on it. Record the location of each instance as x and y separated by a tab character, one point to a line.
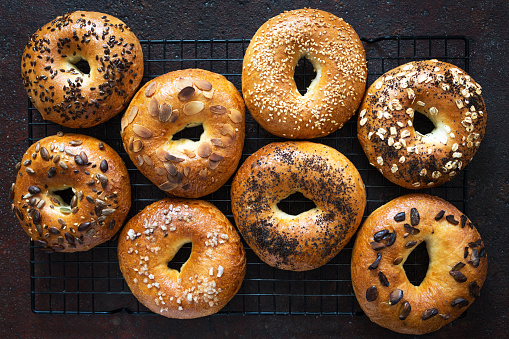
98	192
65	93
456	272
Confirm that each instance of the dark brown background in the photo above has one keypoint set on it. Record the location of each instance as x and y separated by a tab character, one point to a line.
485	22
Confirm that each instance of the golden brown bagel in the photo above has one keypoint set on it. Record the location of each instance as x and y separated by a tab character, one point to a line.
310	239
445	94
167	105
59	90
99	181
456	272
207	280
268	84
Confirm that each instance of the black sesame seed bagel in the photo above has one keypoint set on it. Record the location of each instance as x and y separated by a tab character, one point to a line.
456	272
68	95
268	84
167	105
206	281
310	239
445	94
74	221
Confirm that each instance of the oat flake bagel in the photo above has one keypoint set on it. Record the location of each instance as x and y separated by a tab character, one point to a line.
446	95
100	187
456	272
167	105
310	239
108	50
268	84
206	281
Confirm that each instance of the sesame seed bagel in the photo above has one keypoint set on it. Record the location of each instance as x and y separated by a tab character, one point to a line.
268	84
206	281
170	103
97	206
69	95
310	239
447	96
456	272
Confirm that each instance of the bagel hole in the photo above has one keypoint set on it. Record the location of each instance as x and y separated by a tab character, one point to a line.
304	74
422	124
180	257
190	132
64	195
416	265
295	204
82	66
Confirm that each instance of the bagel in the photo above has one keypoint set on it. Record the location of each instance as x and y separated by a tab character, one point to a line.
71	97
167	105
456	272
310	239
446	95
101	194
206	281
268	84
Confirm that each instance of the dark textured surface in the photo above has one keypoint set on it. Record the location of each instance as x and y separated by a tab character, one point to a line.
484	22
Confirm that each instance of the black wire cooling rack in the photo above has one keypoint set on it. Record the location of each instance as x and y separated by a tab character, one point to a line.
91	282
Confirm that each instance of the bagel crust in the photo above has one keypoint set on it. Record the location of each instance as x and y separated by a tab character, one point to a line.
456	272
446	95
207	280
59	90
167	105
310	239
268	84
100	183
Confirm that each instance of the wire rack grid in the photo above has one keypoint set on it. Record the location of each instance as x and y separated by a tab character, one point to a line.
91	282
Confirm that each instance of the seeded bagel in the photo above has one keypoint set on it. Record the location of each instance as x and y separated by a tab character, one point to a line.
456	272
308	240
62	92
167	105
445	94
268	84
101	194
205	282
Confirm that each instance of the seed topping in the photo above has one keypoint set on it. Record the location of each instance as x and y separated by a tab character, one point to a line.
458	276
395	296
474	289
451	220
375	263
411	230
414	217
142	131
186	93
153	107
218	109
371	293
404	311
429	313
151	89
165	112
459	302
439	215
104	166
383	279
193	107
400	217
203	85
